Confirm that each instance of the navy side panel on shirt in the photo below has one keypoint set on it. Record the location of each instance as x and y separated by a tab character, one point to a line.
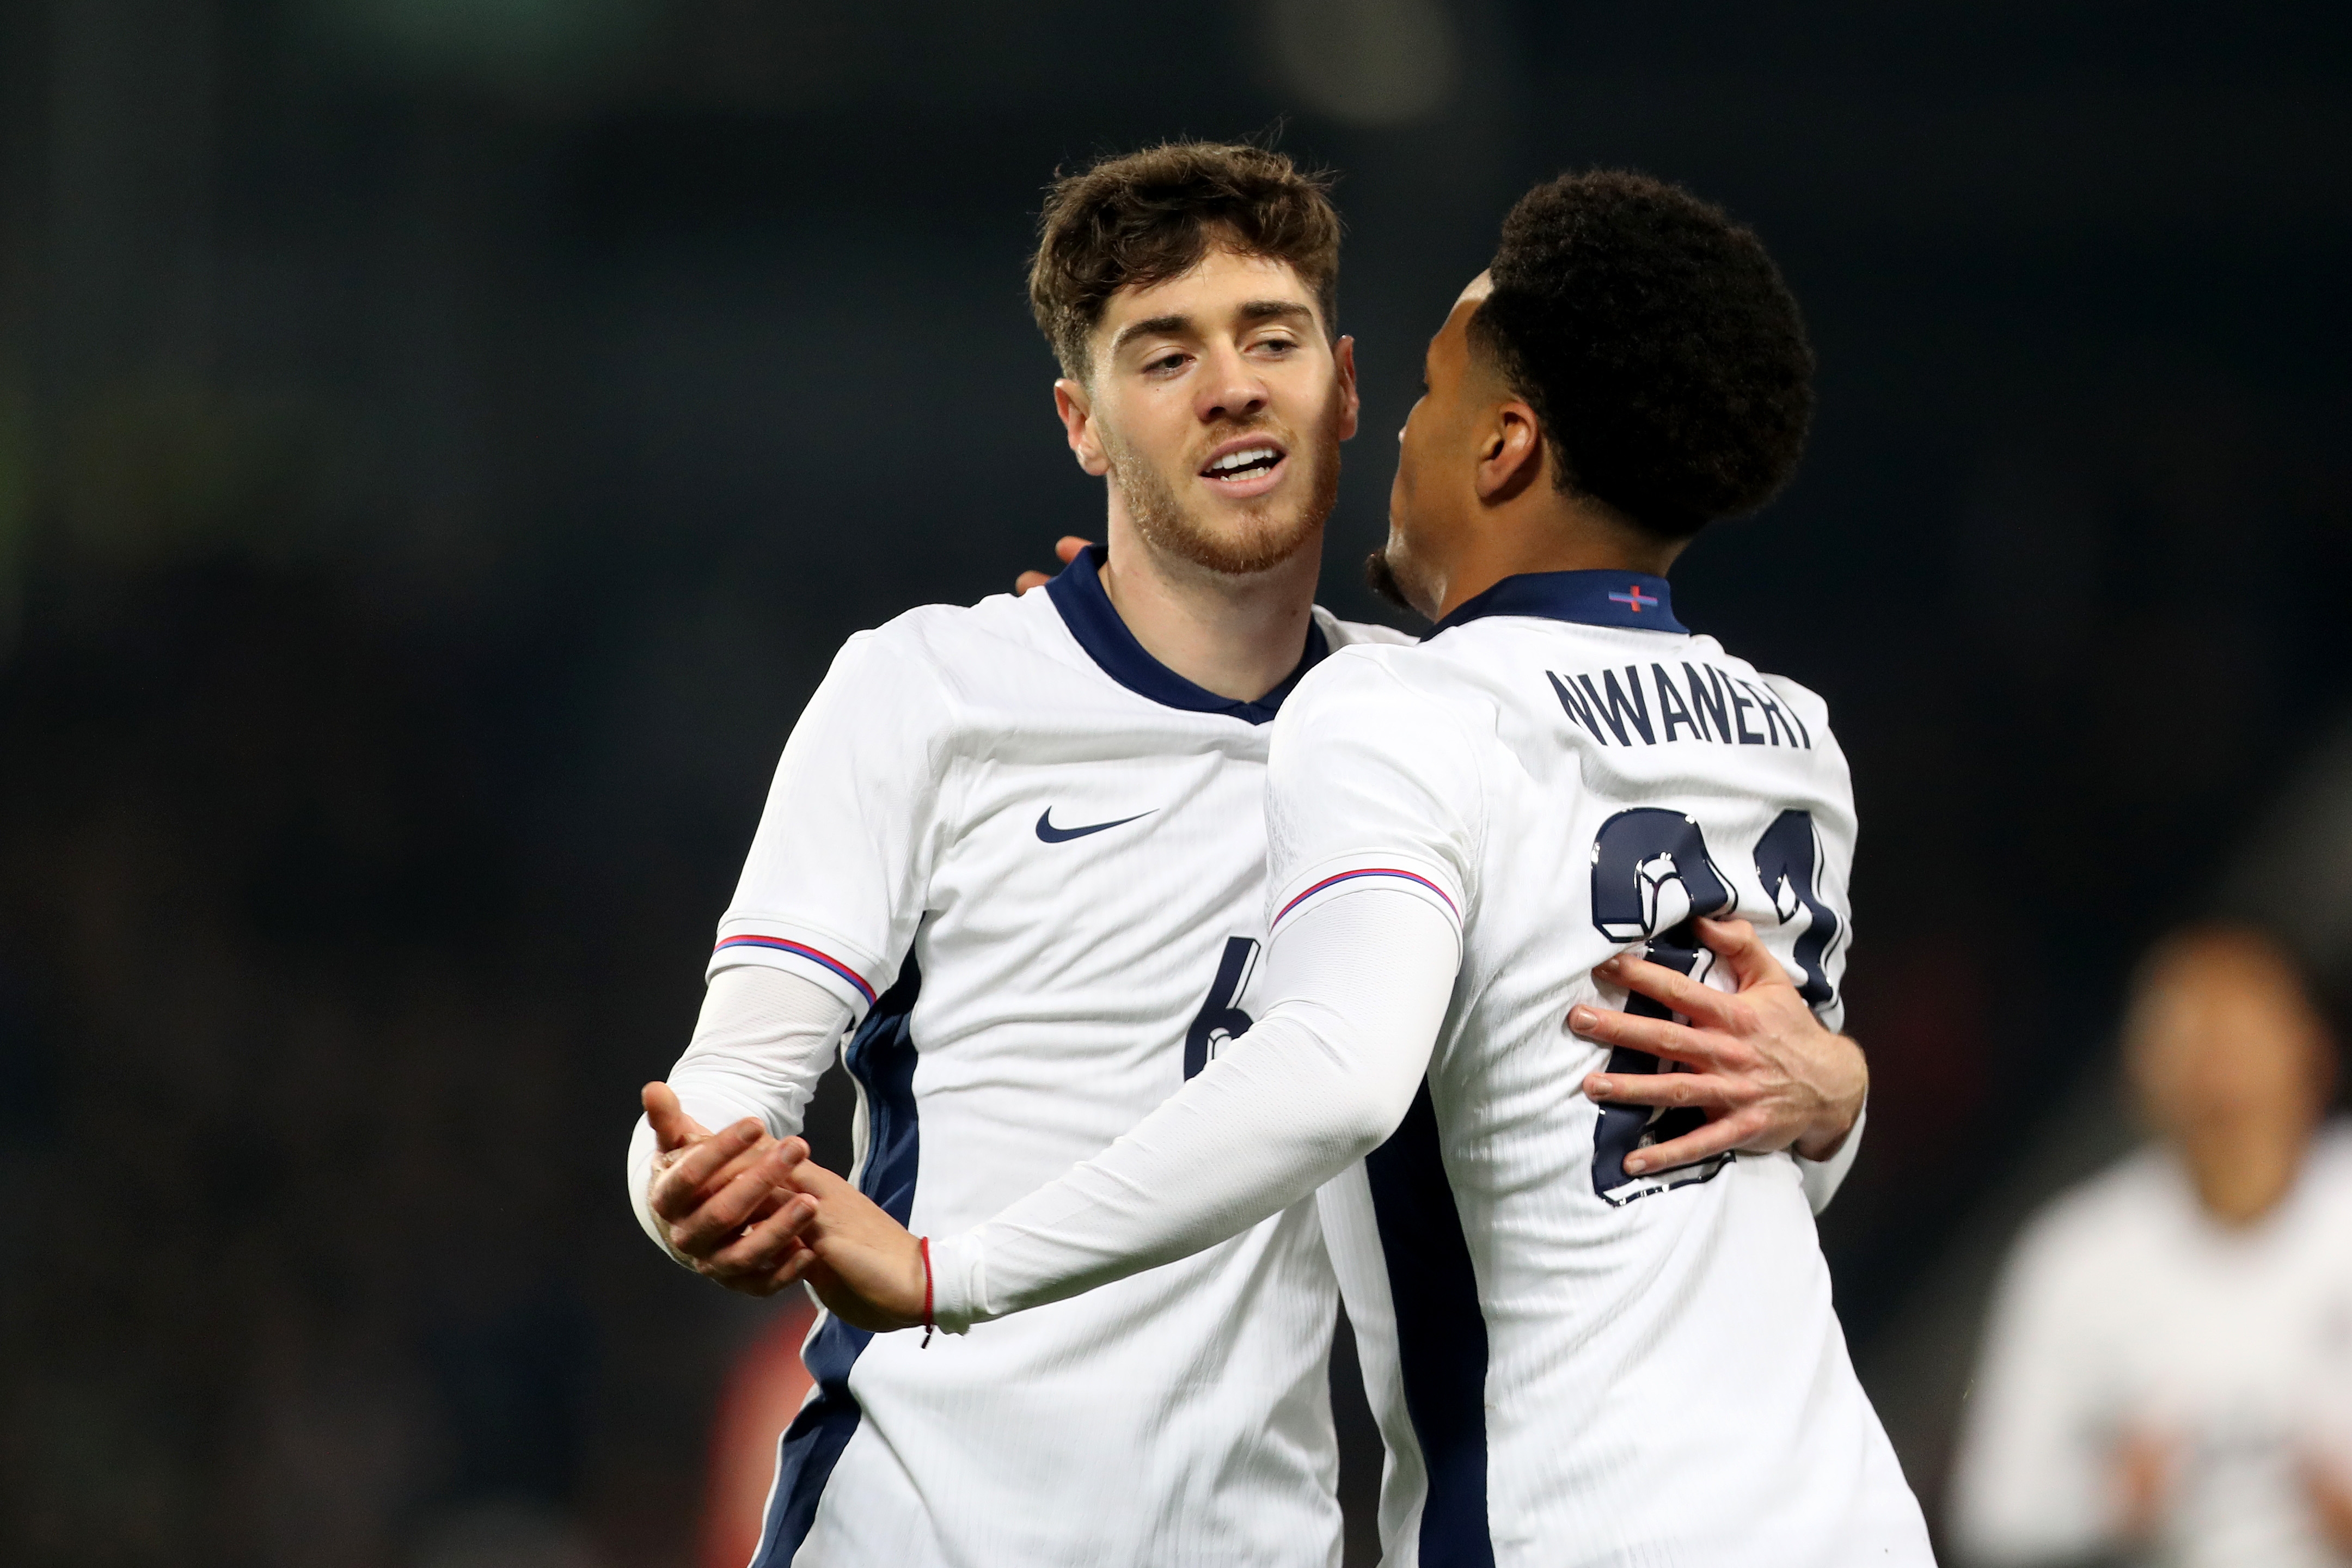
1441	1335
881	1057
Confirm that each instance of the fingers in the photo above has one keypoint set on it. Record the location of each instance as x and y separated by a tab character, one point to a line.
766	1246
1737	943
794	1267
1661	1037
748	1196
800	1266
1706	1090
706	1163
673	1127
1700	1143
1701	1004
1066	549
717	1217
817	1181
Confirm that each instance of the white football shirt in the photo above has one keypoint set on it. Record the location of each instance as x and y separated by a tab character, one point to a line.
1587	1367
2127	1308
1570	1365
1031	859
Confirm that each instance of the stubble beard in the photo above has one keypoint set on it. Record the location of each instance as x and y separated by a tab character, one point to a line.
1381	577
1270	533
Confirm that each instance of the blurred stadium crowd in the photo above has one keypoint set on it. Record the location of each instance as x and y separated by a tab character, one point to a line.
441	445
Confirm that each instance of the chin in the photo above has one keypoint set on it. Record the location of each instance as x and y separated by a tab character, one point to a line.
1236	547
1392	573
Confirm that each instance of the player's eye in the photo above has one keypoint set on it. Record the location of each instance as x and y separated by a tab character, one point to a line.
1164	363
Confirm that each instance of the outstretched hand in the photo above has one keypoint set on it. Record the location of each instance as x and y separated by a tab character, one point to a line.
1066	547
1764	1070
723	1198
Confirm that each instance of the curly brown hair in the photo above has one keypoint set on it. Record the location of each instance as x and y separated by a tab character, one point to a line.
1658	343
1141	218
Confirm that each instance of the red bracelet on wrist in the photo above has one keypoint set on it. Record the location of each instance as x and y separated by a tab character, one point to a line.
923	1245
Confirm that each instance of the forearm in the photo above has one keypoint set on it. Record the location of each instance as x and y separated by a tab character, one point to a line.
763	1039
1362	984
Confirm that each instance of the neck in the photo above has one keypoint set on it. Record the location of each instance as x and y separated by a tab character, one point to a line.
1237	635
1541	529
2240	1180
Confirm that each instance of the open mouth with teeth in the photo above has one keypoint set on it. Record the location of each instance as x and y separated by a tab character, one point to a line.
1244	464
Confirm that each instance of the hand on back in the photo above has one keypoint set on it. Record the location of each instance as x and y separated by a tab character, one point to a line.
1764	1070
1068	548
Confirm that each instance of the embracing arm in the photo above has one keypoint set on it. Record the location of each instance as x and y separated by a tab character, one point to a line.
1314	1086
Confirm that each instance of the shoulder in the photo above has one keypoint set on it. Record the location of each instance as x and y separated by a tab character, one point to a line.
1407	688
938	634
1808	702
1803	698
1356	677
919	686
1811	709
1375	706
2330	1161
953	650
2081	1235
1349	634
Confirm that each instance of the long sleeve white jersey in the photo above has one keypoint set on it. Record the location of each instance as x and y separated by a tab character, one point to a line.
1028	861
2127	1310
1572	1365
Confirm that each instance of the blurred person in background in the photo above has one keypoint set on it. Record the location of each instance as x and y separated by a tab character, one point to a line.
2167	1373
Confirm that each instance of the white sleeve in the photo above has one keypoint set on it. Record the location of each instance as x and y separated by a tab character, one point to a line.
2032	1481
1823	1178
1366	860
764	1039
836	879
1320	1081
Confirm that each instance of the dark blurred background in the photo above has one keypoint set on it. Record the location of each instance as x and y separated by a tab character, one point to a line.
443	441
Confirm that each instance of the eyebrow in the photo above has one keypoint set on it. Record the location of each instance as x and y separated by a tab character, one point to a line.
1274	310
1253	311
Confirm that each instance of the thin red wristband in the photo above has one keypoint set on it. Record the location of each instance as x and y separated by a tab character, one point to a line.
923	1244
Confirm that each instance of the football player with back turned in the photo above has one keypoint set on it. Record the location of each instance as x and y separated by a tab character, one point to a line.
1597	1360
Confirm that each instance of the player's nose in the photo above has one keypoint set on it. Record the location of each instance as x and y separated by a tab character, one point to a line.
1233	389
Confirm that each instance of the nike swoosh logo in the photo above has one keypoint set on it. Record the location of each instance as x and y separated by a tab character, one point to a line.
1053	835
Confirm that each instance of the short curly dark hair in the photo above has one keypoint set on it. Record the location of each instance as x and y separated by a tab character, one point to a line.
1656	342
1141	218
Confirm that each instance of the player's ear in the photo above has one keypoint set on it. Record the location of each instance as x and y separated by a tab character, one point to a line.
1510	453
1076	407
1343	357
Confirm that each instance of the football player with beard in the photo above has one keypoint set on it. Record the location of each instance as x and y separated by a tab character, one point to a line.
1016	851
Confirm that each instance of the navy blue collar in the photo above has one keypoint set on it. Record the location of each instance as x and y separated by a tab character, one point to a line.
1632	599
1088	611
